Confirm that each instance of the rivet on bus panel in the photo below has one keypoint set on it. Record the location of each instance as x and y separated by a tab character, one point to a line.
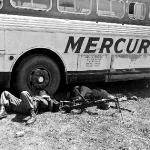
11	57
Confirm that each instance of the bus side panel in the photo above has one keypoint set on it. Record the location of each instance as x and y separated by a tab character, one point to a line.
137	66
18	42
2	50
97	62
4	60
84	46
131	54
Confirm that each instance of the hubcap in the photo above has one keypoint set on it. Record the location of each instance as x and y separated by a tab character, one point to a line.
39	78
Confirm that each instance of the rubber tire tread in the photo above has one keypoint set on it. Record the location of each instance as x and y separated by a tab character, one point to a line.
27	64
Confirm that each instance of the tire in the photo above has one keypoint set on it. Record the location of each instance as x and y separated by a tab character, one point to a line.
37	72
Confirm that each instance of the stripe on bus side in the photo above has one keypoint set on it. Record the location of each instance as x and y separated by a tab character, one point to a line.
13	22
106	75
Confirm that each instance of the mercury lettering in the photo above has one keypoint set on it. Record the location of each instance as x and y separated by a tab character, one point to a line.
106	45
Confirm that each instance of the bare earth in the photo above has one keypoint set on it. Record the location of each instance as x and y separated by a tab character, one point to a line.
94	129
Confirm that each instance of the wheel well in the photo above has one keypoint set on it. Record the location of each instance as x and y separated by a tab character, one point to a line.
46	52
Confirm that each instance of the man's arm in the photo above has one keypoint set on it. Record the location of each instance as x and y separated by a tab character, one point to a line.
47	97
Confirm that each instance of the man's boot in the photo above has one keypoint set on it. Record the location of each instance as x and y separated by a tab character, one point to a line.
32	118
3	113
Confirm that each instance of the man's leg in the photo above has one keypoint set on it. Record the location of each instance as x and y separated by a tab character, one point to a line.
30	105
4	98
102	94
4	101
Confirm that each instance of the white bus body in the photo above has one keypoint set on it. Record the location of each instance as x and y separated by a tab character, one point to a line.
82	50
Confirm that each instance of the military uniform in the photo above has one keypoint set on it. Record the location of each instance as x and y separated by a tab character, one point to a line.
26	104
18	105
94	94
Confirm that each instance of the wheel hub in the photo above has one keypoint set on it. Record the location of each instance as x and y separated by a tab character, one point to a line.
39	78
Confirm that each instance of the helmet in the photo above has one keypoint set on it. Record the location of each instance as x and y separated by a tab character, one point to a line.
76	90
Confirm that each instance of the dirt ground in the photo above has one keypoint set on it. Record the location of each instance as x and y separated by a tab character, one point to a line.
94	129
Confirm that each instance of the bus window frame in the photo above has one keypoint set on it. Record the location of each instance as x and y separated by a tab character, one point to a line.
80	13
31	8
149	12
133	18
124	10
2	4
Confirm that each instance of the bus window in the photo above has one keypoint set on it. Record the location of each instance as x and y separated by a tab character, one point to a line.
66	5
149	12
44	4
1	4
131	9
75	6
118	7
137	11
32	4
111	8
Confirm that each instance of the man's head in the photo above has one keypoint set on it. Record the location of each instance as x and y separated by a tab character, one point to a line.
76	89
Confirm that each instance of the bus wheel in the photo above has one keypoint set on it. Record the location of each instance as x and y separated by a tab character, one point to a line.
37	72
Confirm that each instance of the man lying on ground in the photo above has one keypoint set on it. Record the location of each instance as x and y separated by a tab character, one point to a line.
83	93
92	94
26	104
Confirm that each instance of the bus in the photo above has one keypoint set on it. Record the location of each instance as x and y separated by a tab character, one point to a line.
46	43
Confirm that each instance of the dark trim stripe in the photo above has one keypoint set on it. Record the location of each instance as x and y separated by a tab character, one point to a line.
86	76
106	75
131	71
88	72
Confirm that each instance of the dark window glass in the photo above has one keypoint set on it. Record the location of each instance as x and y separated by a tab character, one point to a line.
131	8
1	4
137	11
